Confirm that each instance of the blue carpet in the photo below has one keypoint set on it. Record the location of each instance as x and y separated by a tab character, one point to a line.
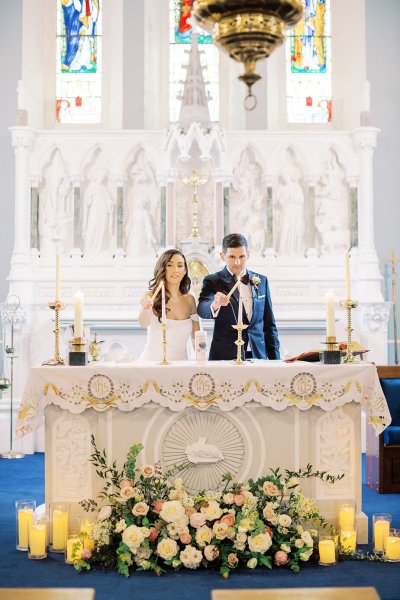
25	478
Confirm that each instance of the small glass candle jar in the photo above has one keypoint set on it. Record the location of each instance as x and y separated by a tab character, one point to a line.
74	547
348	540
86	533
24	515
381	527
327	550
392	546
37	539
58	526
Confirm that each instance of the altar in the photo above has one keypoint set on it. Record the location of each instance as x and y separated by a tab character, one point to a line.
209	418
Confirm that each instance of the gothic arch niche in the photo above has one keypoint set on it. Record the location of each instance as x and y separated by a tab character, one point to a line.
184	196
290	207
141	207
55	210
332	207
98	207
248	202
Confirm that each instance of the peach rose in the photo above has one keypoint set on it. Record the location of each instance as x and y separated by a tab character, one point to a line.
197	520
185	538
157	506
229	519
233	560
280	558
268	530
153	534
126	483
148	471
140	509
238	500
270	489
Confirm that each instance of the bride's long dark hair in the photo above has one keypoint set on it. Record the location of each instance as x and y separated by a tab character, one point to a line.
159	275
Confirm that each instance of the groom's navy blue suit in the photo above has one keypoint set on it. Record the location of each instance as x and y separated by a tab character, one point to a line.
261	332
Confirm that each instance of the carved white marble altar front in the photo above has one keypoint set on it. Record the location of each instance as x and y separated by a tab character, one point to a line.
109	202
212	418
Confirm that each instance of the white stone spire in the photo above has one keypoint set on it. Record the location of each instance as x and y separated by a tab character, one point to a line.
194	107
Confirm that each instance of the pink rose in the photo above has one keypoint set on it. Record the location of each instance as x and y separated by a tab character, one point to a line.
185	538
86	553
229	519
270	489
197	520
153	534
125	483
238	499
157	506
280	558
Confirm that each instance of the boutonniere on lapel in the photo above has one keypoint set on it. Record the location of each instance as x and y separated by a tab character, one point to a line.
255	280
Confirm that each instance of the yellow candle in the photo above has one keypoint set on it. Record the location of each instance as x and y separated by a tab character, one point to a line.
393	547
346	517
348	540
347	277
57	277
74	549
330	315
163	308
87	531
37	539
78	321
59	529
25	517
327	551
381	532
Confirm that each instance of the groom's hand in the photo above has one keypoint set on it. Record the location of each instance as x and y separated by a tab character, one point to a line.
220	299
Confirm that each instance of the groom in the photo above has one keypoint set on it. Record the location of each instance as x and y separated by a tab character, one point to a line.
261	336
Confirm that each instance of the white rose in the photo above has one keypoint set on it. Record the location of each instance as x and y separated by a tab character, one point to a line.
252	563
127	492
143	554
241	537
220	530
133	537
140	509
304	556
197	520
299	543
211	552
120	526
204	536
307	539
172	511
260	543
105	513
212	512
228	498
191	557
167	548
173	531
148	471
286	548
284	520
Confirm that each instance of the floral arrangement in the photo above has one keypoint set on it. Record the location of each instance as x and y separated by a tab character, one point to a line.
148	523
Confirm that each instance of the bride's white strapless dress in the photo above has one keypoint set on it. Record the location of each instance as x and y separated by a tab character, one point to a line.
178	339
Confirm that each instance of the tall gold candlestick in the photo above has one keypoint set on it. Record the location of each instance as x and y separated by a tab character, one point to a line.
57	360
349	305
164	344
239	343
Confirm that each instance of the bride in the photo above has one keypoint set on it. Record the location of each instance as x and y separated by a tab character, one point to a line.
182	320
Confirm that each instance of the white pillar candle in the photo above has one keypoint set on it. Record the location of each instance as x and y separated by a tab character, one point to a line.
78	322
163	309
330	315
240	311
57	278
347	277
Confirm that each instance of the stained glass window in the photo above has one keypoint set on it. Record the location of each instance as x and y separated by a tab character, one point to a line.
179	43
309	66
78	61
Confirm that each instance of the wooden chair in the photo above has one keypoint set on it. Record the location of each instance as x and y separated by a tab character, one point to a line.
383	452
47	593
340	593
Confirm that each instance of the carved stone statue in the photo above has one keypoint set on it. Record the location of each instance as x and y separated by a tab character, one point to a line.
141	205
290	205
248	203
50	224
98	214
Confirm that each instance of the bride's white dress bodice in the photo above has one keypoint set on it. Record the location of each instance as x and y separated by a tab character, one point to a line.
178	338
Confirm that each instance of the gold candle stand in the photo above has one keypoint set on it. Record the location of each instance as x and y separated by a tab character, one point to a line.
164	344
57	360
239	343
349	305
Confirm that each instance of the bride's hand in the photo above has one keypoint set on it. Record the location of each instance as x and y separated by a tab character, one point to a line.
146	301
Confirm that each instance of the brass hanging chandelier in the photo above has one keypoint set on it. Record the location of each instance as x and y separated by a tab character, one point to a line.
249	30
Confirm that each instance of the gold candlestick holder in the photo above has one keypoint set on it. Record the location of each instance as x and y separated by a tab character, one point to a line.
331	355
349	305
164	344
239	343
57	360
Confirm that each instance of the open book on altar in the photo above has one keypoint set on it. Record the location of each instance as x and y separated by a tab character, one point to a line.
313	355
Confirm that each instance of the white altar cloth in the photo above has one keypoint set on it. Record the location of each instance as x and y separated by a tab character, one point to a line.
128	386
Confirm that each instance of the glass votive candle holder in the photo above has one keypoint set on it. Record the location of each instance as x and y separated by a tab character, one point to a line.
86	532
346	516
380	530
74	547
58	526
24	515
327	550
392	544
348	540
37	534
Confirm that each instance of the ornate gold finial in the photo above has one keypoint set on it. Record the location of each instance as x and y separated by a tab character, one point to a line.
195	180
